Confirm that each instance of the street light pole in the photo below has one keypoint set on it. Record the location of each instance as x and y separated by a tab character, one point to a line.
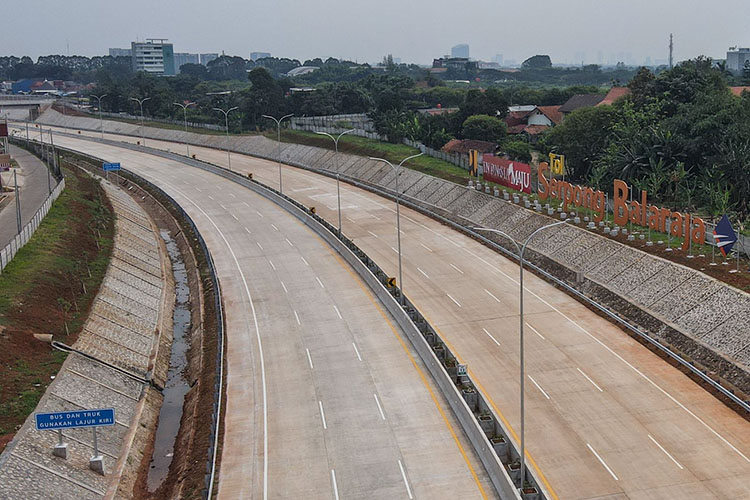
338	190
184	114
521	249
278	141
101	120
140	103
226	122
397	171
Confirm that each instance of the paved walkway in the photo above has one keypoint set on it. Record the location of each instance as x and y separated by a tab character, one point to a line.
33	187
119	330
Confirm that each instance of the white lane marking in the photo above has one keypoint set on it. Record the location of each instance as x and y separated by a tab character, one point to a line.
245	203
665	452
248	231
222	206
259	214
338	313
284	287
198	189
211	197
491	295
602	461
539	387
296	316
271	262
372	233
356	351
376	216
350	219
335	488
319	282
426	247
259	245
454	300
303	260
589	379
235	217
257	335
232	195
457	269
380	408
290	243
303	189
394	249
274	226
309	359
403	475
425	274
322	414
535	331
490	336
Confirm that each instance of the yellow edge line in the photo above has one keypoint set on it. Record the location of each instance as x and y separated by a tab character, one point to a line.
369	295
475	379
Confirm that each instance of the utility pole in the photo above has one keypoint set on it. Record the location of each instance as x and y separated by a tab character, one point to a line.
671	51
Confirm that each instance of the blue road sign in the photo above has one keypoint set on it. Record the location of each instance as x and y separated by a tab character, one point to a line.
111	167
75	418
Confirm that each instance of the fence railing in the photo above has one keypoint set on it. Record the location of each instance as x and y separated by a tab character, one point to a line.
12	248
128	116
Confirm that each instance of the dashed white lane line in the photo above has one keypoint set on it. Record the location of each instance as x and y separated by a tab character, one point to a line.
376	216
535	331
303	260
454	300
259	245
322	414
290	243
356	351
319	282
271	262
375	235
211	197
490	336
296	316
198	189
245	203
235	217
338	313
232	195
666	452
335	488
222	206
406	482
284	287
259	214
457	269
426	247
539	387
274	226
602	461
380	408
493	296
248	231
394	249
350	219
309	359
589	379
424	273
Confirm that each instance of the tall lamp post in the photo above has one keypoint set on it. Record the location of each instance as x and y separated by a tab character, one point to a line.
521	249
397	171
278	141
184	115
101	120
336	144
140	103
226	123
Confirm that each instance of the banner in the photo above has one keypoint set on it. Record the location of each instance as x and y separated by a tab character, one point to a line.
508	173
724	236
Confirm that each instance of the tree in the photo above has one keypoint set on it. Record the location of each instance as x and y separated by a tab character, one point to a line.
484	128
265	97
537	62
517	150
197	70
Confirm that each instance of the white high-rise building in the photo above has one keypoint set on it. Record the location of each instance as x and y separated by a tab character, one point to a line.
154	56
737	57
460	50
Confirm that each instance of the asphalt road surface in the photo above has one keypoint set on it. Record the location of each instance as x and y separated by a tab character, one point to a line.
606	418
325	399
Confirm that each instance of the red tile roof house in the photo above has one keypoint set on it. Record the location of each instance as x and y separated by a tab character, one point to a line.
533	122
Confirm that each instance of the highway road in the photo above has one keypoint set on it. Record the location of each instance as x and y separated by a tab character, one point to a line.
325	399
606	418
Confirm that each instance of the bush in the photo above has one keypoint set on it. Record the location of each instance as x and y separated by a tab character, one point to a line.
517	150
484	128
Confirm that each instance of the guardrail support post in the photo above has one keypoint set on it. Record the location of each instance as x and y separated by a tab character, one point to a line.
61	448
96	462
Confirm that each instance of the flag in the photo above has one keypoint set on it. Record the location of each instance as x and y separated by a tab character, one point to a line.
724	235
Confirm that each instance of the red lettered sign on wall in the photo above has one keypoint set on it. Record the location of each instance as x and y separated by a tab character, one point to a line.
512	174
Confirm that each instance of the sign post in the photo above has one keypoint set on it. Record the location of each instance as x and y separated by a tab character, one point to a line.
111	167
72	420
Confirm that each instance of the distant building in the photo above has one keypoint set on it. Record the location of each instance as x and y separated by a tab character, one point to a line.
579	101
614	94
737	57
498	59
529	121
460	50
154	56
254	56
181	58
446	62
301	70
120	53
207	58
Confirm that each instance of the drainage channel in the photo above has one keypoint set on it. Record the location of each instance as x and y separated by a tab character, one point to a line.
176	387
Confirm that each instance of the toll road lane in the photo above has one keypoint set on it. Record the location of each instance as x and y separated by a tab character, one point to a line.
344	397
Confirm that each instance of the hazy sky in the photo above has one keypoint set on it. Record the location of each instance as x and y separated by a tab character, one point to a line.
414	30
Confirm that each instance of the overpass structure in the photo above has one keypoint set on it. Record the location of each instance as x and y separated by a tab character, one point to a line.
606	417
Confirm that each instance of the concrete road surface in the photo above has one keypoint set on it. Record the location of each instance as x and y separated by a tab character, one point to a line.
606	418
324	397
